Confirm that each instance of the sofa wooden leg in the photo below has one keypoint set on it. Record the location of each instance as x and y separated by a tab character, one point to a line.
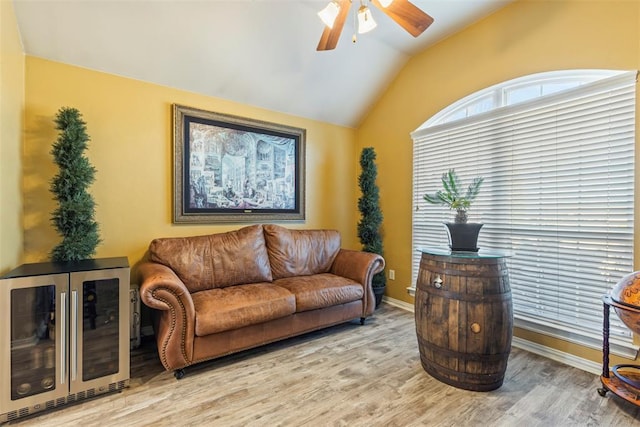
178	373
362	319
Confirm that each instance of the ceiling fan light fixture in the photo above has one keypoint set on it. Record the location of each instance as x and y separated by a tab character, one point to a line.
411	18
329	14
366	22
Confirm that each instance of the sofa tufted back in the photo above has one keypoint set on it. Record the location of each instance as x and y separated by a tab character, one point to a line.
216	260
300	252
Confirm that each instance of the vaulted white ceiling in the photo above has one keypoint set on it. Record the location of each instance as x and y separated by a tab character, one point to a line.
259	52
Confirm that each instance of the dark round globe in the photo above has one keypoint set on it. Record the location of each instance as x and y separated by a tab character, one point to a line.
627	292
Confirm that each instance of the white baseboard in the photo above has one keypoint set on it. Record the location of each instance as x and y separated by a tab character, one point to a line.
532	347
397	303
558	356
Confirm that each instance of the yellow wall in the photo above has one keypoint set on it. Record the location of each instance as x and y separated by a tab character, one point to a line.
130	125
525	37
12	85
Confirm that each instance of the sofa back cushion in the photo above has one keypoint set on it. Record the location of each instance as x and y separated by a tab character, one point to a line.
300	252
216	260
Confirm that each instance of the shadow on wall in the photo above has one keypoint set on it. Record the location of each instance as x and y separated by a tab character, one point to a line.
38	169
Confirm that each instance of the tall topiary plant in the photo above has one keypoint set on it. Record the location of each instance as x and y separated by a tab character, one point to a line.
74	217
371	215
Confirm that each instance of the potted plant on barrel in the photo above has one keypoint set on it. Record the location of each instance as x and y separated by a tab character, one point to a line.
463	236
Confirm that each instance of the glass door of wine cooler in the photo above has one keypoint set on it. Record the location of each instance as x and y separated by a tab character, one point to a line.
34	349
100	328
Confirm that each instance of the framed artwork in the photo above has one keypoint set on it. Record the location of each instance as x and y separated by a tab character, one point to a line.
234	169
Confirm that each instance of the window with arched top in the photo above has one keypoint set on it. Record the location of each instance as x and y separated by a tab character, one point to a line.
516	91
557	153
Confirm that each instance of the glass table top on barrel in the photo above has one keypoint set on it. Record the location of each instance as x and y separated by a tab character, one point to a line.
481	254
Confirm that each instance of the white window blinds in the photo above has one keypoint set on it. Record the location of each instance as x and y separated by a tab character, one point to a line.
558	193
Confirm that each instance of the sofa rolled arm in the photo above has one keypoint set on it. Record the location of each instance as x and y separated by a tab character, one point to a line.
359	266
162	290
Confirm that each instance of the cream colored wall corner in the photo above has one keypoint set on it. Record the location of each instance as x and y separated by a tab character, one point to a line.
130	125
12	64
523	38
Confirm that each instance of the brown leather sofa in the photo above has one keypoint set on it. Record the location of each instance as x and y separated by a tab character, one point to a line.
222	293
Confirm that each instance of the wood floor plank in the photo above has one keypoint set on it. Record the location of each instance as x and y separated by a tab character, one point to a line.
348	375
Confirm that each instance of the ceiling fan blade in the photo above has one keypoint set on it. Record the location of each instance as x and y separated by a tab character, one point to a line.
330	36
407	15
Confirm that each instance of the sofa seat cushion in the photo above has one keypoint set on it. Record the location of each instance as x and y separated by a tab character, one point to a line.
321	290
234	307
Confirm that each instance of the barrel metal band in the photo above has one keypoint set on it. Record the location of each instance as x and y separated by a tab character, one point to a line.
443	373
498	357
506	296
499	272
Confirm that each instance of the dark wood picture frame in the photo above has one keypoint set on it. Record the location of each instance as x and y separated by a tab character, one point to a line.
234	169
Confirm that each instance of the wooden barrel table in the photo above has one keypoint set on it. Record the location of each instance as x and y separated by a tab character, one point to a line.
464	317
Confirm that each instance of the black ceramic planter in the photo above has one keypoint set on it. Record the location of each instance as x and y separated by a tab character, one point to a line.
463	237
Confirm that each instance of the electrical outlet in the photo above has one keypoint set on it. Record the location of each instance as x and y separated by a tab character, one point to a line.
392	275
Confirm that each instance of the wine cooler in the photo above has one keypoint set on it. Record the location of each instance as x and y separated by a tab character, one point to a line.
64	334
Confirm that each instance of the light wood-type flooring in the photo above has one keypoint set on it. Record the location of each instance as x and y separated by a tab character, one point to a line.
348	375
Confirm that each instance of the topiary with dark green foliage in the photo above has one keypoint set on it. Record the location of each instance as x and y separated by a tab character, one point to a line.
370	214
74	217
